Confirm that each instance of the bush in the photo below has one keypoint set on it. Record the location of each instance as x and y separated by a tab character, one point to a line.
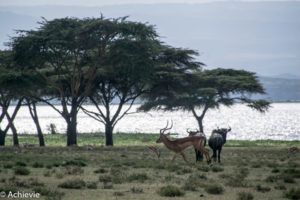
170	191
100	171
260	188
91	185
293	172
214	189
280	187
73	184
22	171
217	169
293	194
118	194
288	179
37	165
20	163
7	166
108	186
50	194
79	163
141	177
136	190
105	179
245	196
74	170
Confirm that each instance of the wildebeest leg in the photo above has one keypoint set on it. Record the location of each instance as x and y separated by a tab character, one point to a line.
214	156
219	154
199	156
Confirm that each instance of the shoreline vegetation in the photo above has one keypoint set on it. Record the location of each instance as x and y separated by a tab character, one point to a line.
134	139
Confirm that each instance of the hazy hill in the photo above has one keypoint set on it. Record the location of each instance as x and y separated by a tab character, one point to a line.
279	89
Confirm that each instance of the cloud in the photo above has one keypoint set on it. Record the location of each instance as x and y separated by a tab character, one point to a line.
116	2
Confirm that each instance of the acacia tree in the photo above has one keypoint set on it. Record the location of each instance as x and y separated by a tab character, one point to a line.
124	82
200	91
13	82
62	51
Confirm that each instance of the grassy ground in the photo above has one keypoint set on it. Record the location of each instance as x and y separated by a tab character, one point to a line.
250	170
135	139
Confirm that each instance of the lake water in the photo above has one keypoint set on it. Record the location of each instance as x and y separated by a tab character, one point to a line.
282	122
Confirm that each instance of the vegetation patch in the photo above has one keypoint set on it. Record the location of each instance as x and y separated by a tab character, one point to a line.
261	188
139	177
20	163
21	171
50	194
73	184
170	191
217	169
79	163
100	171
37	165
245	196
214	189
136	190
293	194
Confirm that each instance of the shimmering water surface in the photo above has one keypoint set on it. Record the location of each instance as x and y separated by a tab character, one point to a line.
282	122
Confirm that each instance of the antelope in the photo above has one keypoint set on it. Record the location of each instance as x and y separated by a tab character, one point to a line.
217	140
199	155
178	145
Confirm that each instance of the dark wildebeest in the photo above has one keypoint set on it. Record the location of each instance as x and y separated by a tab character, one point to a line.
217	140
199	155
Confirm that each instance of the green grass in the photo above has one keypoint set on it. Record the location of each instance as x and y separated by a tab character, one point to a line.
258	170
140	139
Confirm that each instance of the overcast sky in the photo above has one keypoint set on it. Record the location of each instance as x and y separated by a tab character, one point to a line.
111	2
260	37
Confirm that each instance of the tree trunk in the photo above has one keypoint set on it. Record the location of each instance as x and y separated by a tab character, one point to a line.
15	135
2	137
109	134
200	123
11	124
34	115
72	127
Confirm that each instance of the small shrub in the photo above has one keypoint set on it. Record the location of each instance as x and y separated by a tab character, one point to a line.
73	184
105	179
100	171
74	170
293	194
7	166
79	163
288	179
170	191
217	169
272	179
136	190
47	173
260	188
37	165
203	168
294	172
20	163
22	171
280	187
214	189
275	170
245	196
141	177
118	194
49	166
91	185
189	187
35	182
108	186
8	189
50	194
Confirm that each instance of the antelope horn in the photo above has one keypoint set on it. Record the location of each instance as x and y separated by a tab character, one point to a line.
229	129
161	131
187	130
